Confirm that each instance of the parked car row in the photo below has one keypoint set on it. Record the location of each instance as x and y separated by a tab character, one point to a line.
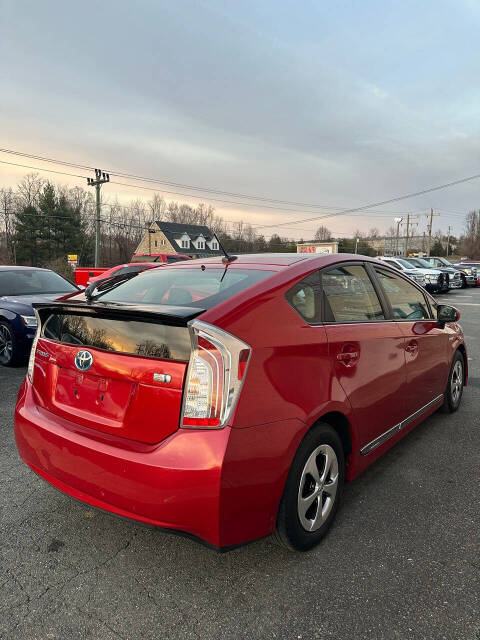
436	275
232	399
140	262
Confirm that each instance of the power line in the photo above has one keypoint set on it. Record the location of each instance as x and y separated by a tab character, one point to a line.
216	191
379	204
121	174
266	226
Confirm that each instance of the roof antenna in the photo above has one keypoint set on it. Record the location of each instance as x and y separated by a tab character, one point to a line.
227	258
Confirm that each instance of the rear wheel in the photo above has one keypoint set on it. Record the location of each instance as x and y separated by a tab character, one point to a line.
8	345
312	491
455	384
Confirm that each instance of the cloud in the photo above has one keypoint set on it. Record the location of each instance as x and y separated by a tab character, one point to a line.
338	104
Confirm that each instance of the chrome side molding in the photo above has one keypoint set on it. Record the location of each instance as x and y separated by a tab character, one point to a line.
368	448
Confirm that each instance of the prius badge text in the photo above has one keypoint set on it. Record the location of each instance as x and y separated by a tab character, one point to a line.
83	360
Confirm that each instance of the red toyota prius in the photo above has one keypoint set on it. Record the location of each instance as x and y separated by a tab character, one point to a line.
232	399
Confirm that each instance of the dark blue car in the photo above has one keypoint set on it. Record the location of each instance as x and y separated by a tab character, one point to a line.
19	288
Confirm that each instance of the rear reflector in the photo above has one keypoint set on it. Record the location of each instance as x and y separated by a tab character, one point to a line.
215	374
31	360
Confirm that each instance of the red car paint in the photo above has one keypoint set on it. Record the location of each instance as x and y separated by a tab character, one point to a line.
116	270
82	275
86	275
128	454
164	258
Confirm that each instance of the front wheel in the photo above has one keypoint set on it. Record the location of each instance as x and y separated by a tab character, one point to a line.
313	490
455	384
464	282
8	345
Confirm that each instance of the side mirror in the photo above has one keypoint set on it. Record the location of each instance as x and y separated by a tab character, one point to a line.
446	314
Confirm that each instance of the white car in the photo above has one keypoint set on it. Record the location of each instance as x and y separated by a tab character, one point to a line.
434	280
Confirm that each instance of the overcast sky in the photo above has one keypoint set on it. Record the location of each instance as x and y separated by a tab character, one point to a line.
333	103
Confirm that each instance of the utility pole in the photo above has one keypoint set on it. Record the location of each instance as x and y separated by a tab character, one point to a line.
408	224
429	227
398	221
406	237
448	240
100	178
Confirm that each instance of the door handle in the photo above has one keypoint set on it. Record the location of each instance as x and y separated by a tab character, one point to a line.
412	347
347	357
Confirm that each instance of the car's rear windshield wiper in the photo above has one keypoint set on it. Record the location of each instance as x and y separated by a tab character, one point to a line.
102	286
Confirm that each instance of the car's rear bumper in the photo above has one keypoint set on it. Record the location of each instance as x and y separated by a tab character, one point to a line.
212	484
174	485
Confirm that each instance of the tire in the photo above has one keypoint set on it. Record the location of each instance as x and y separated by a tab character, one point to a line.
455	384
464	282
318	472
9	351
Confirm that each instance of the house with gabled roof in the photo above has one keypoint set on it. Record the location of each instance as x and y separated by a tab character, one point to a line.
194	240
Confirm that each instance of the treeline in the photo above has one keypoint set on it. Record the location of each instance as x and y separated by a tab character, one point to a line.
41	223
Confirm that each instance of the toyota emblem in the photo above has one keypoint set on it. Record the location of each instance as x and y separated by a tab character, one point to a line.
83	360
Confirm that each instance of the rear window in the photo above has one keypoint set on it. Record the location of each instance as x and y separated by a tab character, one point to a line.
175	259
185	287
131	269
139	338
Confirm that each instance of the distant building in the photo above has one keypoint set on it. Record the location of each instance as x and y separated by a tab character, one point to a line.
318	247
398	246
196	241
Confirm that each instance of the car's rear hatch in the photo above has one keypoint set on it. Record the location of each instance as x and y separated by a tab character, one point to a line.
117	369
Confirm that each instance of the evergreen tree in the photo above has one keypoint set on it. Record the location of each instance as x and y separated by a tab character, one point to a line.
437	249
47	205
27	236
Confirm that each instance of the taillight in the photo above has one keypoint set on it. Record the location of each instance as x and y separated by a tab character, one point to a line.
31	360
214	378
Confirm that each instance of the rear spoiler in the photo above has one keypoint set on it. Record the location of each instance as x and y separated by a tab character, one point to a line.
166	314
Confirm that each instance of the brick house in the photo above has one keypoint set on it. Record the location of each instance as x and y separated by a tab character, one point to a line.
194	240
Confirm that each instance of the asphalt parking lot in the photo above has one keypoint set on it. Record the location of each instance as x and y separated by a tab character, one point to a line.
402	560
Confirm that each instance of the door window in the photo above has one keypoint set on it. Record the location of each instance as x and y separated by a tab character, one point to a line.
349	295
407	302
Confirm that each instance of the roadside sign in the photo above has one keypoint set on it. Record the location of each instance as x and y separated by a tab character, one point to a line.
72	259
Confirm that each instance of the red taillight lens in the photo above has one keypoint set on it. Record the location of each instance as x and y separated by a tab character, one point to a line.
242	362
214	379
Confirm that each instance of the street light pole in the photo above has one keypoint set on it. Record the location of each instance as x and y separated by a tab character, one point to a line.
100	178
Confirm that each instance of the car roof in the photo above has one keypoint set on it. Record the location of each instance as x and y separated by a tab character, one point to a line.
17	267
271	260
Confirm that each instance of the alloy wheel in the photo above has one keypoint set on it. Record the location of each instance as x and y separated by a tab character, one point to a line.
318	487
456	383
6	344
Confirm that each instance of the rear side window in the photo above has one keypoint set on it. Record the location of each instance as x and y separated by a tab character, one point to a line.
192	287
349	295
305	298
407	302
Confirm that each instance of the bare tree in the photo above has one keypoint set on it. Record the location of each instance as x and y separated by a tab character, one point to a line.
29	189
157	207
322	233
471	240
7	213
